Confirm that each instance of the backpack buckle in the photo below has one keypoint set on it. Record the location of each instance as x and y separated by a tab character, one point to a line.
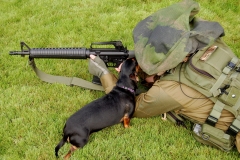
211	120
231	65
232	130
223	90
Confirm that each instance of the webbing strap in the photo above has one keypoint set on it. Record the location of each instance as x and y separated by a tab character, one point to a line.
64	80
215	113
214	90
234	128
237	105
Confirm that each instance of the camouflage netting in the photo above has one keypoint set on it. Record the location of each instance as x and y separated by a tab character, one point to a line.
163	39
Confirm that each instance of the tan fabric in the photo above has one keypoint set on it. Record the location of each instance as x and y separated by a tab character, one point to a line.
156	101
166	96
108	82
237	143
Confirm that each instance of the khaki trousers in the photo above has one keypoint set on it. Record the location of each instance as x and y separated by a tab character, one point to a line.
166	96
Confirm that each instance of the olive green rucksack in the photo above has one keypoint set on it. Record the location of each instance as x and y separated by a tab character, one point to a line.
214	71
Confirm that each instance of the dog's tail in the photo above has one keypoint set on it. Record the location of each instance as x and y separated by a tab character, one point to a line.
60	144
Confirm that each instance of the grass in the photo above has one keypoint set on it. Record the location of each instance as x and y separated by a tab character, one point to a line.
32	113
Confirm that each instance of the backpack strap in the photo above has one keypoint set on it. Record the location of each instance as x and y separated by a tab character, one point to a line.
175	118
215	90
212	119
215	113
71	81
234	128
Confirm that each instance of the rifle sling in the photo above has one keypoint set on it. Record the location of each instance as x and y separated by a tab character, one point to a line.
71	81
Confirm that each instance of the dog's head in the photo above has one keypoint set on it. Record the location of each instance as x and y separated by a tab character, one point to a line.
128	74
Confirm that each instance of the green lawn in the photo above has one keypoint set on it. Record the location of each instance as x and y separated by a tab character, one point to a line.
32	112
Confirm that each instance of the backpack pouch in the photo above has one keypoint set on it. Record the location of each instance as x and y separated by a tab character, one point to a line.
232	94
212	136
204	70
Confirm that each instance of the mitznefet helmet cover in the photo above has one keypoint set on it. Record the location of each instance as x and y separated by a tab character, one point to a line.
162	40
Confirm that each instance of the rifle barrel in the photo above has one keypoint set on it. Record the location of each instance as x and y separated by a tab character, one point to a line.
19	53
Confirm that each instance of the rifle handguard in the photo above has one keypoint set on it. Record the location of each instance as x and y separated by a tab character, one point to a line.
61	53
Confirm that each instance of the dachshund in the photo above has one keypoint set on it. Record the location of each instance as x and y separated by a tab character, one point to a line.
115	107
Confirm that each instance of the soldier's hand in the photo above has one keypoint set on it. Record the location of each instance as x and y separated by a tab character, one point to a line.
97	67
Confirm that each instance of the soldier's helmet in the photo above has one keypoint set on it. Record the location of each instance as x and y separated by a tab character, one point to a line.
163	39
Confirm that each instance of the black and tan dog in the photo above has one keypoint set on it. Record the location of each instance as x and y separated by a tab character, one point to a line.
115	107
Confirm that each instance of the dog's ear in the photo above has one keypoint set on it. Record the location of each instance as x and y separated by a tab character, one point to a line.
130	68
127	67
134	70
128	74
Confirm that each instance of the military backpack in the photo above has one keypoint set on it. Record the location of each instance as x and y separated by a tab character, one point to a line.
214	71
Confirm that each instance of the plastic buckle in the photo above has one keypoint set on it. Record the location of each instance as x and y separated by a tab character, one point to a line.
232	130
231	65
211	120
223	90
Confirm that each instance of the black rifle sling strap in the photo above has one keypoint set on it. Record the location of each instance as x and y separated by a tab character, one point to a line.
71	81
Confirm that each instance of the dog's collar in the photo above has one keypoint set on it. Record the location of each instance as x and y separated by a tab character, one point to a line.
129	89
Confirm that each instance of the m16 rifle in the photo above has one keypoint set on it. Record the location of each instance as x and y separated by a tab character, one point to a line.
112	55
